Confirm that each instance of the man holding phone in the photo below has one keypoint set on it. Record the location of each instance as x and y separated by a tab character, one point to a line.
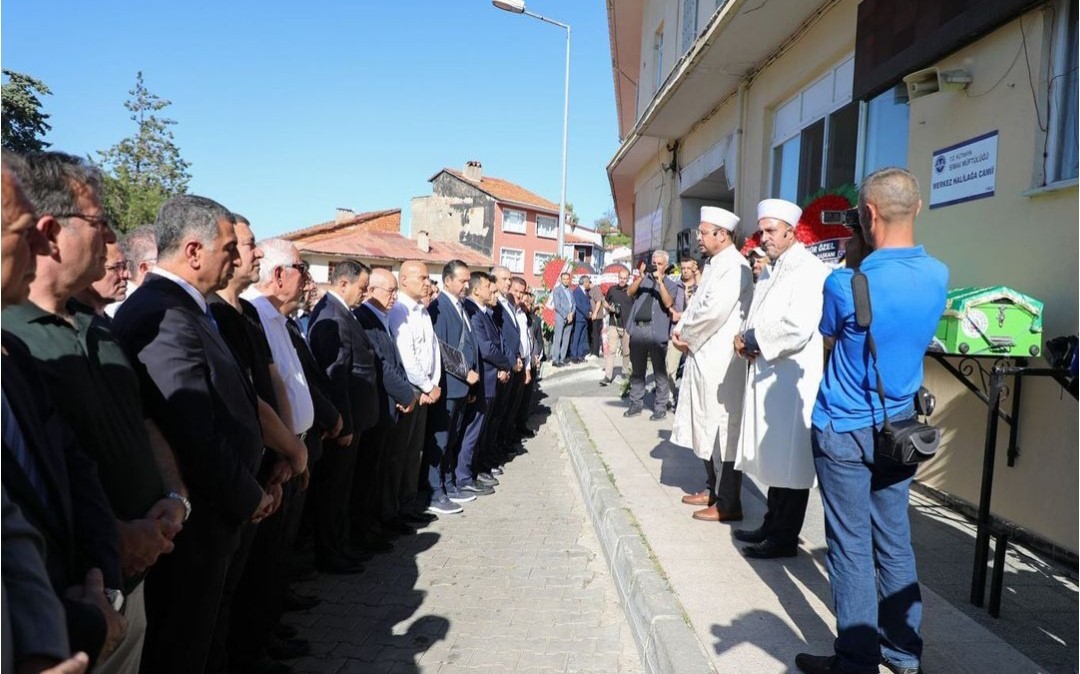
649	325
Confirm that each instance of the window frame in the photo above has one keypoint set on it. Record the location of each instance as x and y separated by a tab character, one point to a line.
554	227
521	259
524	221
538	267
1058	96
658	58
689	24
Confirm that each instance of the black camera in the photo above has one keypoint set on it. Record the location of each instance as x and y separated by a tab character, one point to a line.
848	218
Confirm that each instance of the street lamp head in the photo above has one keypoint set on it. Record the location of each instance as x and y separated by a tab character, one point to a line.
515	6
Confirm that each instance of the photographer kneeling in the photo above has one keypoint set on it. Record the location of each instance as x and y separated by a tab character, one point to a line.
870	560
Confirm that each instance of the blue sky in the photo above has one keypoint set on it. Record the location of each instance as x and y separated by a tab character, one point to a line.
287	110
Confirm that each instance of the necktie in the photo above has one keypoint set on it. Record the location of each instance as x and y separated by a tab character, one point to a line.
15	442
210	317
464	316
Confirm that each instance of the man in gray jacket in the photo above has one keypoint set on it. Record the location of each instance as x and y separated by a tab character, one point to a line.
649	325
564	320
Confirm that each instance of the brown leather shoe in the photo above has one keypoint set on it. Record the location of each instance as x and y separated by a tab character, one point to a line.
699	499
709	514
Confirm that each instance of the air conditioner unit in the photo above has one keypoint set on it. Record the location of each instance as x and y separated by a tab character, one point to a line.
931	80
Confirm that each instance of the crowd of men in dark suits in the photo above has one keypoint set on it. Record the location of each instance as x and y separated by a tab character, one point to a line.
174	457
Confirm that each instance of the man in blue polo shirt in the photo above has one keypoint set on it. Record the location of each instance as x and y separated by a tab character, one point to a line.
870	560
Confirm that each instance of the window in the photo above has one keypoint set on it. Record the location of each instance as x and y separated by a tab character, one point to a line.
513	221
547	227
885	140
815	137
513	259
1061	157
689	23
658	58
540	260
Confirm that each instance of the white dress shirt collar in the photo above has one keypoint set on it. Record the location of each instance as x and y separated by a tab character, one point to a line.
340	300
188	288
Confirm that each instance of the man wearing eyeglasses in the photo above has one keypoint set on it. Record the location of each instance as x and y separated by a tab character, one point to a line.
138	248
110	288
94	385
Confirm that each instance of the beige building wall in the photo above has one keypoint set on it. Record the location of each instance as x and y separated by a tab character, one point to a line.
657	13
1028	243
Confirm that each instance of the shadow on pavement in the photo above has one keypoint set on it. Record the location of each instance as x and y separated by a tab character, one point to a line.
356	619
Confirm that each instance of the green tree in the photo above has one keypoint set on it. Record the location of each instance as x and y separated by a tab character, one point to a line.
145	169
608	227
23	121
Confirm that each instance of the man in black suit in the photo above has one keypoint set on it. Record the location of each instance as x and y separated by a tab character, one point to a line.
343	351
495	368
380	485
453	330
206	408
44	471
504	315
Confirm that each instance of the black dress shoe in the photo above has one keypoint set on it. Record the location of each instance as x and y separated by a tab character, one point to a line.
749	535
287	649
526	432
816	664
339	566
632	412
657	416
294	601
769	550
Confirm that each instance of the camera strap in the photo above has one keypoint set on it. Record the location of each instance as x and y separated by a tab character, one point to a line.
864	316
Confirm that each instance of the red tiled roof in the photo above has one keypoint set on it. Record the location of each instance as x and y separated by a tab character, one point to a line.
570	238
391	246
388	220
504	190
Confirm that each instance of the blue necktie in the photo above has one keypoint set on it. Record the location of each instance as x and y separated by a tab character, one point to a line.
210	317
15	442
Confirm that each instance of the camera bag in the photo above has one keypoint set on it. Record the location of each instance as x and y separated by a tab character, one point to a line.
907	442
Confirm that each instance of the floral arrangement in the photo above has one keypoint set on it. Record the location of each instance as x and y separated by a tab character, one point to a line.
809	229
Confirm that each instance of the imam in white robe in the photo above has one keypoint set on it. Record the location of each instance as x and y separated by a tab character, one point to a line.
782	383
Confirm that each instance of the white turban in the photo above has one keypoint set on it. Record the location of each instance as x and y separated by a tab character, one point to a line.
720	217
781	209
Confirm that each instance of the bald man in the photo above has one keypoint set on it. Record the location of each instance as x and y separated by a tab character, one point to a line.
410	326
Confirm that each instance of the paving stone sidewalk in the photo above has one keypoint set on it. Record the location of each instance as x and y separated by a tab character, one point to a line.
517	583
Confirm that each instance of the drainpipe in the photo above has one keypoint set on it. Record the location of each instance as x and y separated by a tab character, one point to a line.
740	147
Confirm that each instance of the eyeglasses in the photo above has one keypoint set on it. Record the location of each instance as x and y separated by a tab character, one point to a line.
301	267
118	267
99	220
374	288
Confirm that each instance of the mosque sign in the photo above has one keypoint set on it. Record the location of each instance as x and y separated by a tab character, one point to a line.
964	172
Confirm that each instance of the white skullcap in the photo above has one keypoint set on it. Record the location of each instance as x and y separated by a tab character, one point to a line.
720	217
781	209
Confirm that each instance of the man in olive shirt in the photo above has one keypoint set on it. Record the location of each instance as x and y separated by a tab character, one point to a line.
92	383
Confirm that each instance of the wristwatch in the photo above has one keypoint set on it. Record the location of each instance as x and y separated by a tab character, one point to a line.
116	598
183	499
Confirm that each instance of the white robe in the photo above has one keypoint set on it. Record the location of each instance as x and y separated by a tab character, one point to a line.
714	378
782	384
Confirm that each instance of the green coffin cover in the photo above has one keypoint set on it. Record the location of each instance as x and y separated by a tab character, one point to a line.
959	300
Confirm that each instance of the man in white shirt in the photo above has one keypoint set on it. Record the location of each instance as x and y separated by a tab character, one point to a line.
411	328
520	415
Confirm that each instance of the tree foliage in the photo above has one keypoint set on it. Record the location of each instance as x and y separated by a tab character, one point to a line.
145	169
608	227
23	121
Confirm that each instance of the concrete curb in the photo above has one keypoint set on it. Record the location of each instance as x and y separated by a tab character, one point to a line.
665	640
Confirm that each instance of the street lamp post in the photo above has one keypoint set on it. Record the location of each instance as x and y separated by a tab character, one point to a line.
518	7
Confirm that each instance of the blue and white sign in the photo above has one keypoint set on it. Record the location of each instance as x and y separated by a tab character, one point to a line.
964	172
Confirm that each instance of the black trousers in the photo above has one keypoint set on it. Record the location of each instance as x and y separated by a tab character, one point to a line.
183	595
725	492
397	490
506	421
785	515
372	458
596	327
331	491
641	352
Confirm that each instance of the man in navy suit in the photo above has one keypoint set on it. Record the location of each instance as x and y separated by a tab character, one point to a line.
504	315
475	458
343	350
579	341
381	485
454	331
564	320
206	407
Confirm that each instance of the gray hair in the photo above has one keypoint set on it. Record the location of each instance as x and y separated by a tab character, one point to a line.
53	180
276	253
584	278
188	215
139	245
663	254
893	191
